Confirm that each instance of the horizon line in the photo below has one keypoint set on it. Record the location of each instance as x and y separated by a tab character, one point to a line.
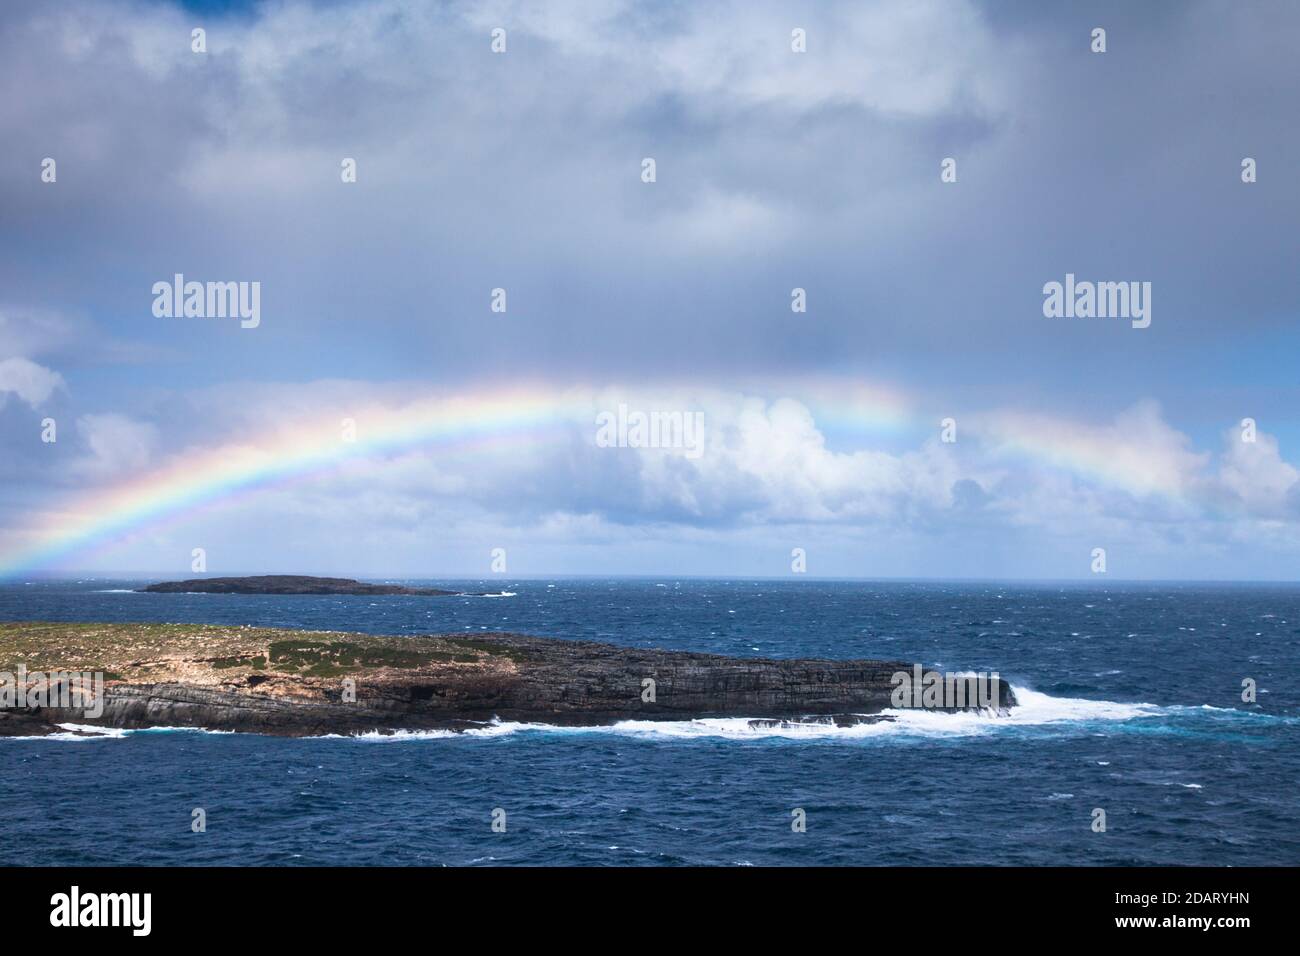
135	575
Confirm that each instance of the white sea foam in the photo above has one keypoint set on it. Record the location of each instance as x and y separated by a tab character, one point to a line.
1034	709
98	732
179	730
84	732
69	737
494	729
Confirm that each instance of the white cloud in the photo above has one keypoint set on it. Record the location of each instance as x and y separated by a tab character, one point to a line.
28	332
765	472
1138	452
915	58
1256	477
776	169
116	446
33	383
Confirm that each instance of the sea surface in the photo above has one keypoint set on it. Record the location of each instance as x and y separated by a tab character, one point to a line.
1131	702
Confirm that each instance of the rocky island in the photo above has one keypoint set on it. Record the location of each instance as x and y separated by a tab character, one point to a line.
288	584
304	683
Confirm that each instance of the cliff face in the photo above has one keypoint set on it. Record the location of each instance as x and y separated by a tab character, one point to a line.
299	683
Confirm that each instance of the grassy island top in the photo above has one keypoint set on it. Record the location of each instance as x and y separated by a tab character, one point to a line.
213	654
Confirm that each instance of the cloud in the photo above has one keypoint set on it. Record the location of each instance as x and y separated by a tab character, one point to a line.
759	463
115	446
1139	452
472	173
775	170
917	59
32	383
1254	478
26	332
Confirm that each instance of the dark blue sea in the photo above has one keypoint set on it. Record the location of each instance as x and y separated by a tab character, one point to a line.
1131	702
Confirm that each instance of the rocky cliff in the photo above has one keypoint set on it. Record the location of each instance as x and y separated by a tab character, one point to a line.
305	683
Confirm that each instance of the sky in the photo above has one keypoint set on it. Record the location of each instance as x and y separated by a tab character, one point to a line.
384	420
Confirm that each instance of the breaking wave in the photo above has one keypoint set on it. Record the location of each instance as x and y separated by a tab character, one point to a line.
1034	710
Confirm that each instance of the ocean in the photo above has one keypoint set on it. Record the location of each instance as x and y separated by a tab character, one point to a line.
1131	703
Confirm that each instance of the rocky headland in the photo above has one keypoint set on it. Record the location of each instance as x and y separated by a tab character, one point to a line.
305	683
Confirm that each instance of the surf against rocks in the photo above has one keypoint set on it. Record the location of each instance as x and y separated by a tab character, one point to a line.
934	691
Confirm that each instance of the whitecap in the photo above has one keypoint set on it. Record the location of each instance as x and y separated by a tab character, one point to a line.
1034	709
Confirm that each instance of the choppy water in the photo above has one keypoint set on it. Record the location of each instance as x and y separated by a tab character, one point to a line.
1131	702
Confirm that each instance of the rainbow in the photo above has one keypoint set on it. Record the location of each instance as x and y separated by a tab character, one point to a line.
1136	453
503	421
285	454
